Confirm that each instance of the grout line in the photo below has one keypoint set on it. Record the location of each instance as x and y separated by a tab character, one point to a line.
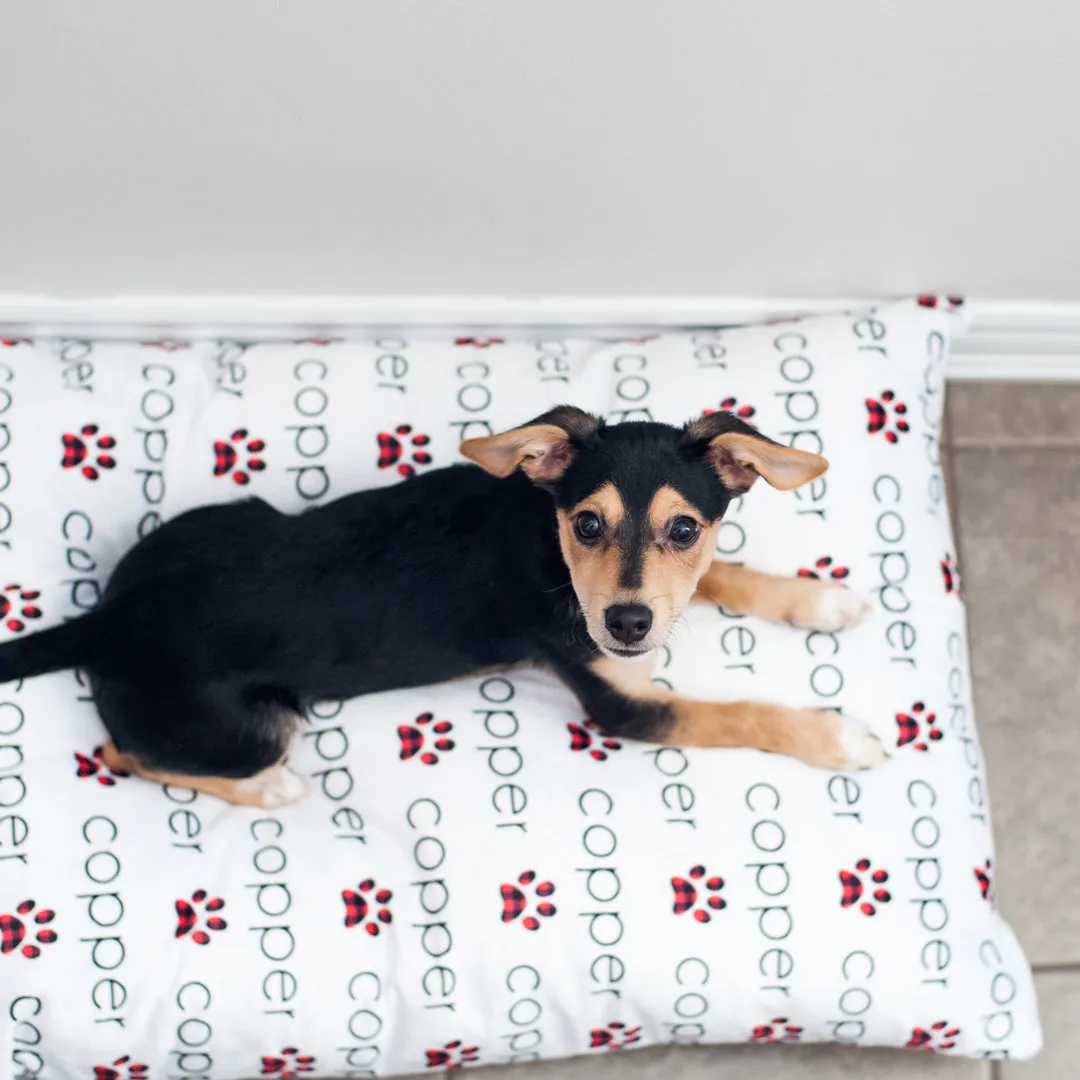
952	493
1064	967
969	442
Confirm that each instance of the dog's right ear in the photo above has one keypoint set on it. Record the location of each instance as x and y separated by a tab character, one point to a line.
543	448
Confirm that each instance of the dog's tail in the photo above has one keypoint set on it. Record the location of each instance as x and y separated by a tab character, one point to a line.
70	644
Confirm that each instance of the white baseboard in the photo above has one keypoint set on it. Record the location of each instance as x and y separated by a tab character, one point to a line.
1021	340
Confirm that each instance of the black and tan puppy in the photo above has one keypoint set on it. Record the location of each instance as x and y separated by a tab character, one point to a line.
574	546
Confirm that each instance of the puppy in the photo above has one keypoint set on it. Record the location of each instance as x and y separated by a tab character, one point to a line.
574	546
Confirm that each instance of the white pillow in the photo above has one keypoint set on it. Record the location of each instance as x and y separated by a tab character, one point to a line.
511	797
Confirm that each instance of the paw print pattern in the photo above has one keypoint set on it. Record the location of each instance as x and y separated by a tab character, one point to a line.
515	901
777	1030
951	575
583	735
479	342
13	929
615	1036
938	1036
852	888
226	455
76	451
94	766
187	917
824	568
358	903
412	739
731	405
686	894
123	1068
391	449
287	1065
15	601
984	875
879	416
452	1056
910	725
929	301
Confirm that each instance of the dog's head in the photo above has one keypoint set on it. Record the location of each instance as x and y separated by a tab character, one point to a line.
639	506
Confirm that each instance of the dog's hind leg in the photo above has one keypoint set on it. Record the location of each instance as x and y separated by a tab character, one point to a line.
623	702
802	601
223	739
271	787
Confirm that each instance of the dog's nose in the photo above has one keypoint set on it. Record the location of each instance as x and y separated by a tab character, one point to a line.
628	623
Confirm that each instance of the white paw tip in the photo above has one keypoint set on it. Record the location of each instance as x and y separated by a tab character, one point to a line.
862	749
281	786
839	609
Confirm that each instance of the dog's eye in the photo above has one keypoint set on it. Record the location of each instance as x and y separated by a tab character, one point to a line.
588	527
684	531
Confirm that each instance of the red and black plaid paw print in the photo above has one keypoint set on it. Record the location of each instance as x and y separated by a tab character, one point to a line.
239	449
187	916
359	903
938	1036
77	448
452	1056
824	567
731	405
911	728
930	301
391	449
950	575
123	1068
777	1030
615	1036
853	888
584	735
515	902
412	739
13	929
94	766
287	1065
984	875
688	892
879	420
15	601
479	342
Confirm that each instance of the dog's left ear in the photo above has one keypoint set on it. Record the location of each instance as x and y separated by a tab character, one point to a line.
543	448
740	454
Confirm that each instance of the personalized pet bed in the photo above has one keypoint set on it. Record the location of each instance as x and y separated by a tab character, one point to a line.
478	874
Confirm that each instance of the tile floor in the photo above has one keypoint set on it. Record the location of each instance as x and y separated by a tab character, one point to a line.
1013	454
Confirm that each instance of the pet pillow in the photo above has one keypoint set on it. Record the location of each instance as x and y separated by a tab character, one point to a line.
479	875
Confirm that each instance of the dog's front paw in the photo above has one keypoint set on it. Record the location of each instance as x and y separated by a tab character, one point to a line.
859	747
836	608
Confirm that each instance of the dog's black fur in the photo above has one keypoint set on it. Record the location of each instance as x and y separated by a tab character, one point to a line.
221	626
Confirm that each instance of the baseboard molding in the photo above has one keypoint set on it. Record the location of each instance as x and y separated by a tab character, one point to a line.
1021	340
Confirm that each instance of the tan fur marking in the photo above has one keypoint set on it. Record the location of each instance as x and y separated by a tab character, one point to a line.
746	592
594	570
239	792
809	735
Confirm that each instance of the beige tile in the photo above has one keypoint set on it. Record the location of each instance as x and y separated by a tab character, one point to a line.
1059	1003
747	1063
1019	514
986	413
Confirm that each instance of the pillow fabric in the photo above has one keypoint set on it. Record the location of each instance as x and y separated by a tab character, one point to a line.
478	874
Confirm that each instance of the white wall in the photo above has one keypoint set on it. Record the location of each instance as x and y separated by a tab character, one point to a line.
603	147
